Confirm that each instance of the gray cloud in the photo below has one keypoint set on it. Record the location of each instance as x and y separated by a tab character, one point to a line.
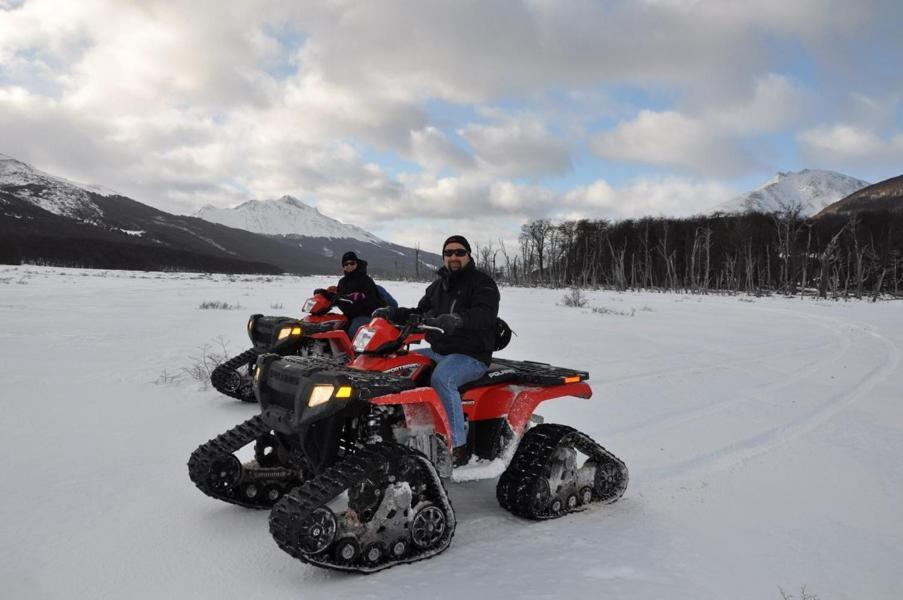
518	148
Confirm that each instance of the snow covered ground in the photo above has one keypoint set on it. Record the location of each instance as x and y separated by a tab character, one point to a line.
763	437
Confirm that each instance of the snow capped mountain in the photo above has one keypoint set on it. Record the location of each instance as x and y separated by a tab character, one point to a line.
809	190
285	216
54	194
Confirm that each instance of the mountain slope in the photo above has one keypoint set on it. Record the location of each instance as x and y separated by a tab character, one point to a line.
808	191
53	194
46	219
294	222
32	234
885	195
285	216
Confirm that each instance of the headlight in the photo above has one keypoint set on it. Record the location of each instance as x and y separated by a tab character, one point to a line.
363	337
287	331
321	394
309	305
250	324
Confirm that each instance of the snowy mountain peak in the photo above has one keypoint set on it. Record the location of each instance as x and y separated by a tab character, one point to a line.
284	216
809	190
54	194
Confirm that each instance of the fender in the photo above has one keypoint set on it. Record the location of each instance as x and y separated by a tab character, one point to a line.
413	401
338	342
528	398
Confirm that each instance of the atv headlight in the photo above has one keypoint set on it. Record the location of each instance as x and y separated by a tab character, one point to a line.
363	337
250	324
321	394
287	331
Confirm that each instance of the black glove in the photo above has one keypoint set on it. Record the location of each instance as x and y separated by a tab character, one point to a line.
384	312
325	293
449	322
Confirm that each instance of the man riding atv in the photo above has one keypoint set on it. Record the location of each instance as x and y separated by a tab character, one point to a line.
464	303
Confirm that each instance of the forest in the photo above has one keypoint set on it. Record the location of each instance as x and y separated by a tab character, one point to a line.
755	253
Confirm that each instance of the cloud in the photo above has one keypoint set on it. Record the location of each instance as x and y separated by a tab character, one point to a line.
844	144
517	148
674	140
776	102
667	196
183	104
432	149
716	139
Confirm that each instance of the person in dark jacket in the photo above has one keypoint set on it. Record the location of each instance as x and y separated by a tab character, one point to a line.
356	295
464	302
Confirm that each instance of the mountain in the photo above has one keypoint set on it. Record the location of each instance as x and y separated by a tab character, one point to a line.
292	221
54	194
809	190
49	220
285	216
885	195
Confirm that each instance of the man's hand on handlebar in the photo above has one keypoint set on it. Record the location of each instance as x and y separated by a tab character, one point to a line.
448	322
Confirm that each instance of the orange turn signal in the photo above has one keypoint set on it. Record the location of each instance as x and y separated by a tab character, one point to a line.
572	379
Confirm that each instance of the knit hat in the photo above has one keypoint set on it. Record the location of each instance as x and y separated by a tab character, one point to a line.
460	239
350	255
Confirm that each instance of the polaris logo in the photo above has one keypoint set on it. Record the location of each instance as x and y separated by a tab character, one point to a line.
502	372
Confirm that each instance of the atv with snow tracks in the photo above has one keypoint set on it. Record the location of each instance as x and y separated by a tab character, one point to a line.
320	333
351	458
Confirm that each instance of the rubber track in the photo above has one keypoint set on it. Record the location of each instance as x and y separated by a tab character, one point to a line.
208	456
533	460
224	372
365	463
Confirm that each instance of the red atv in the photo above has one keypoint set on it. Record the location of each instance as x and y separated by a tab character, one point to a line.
351	458
320	333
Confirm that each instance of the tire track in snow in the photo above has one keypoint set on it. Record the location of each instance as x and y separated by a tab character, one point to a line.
734	362
676	417
743	450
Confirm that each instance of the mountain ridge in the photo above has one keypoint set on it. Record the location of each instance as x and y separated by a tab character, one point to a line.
885	195
47	219
808	191
286	215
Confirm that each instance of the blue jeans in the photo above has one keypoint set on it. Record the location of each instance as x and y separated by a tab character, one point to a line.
452	371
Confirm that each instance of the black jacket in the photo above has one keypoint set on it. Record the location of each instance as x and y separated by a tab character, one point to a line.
474	296
357	293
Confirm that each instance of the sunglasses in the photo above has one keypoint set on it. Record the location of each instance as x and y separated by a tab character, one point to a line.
455	252
349	263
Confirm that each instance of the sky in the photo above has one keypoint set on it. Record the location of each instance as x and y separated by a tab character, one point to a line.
417	119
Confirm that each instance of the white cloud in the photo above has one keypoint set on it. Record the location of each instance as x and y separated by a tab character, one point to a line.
675	140
714	141
517	148
844	144
668	196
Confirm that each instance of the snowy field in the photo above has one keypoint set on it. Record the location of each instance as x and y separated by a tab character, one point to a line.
764	439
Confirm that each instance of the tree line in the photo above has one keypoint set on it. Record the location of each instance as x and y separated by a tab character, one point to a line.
755	253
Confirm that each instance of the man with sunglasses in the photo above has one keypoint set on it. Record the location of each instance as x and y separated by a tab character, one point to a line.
356	295
464	303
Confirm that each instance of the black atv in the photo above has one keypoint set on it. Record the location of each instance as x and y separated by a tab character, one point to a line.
320	333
